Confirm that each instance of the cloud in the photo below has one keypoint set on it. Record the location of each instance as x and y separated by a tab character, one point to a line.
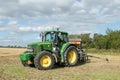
37	28
73	16
12	23
59	9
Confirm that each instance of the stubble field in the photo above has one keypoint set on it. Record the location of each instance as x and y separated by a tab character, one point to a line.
96	69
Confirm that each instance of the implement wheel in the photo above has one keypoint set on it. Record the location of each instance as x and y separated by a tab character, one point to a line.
44	61
71	56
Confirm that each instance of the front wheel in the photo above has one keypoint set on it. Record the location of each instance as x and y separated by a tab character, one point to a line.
44	61
71	56
27	63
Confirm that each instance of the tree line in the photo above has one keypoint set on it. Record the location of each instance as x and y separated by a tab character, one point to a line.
99	41
12	46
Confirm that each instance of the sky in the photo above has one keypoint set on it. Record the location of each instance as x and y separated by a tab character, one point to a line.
21	21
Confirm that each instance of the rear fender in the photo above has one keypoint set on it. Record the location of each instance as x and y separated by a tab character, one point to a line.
63	49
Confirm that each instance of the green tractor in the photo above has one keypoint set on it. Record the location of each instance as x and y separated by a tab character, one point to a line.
55	48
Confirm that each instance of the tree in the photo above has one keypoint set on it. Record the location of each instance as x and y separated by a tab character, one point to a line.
109	41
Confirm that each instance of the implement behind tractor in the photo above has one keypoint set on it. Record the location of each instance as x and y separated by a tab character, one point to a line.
55	48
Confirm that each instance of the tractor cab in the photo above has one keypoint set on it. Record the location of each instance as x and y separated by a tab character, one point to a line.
51	36
57	38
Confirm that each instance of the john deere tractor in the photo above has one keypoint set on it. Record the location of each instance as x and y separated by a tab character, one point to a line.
55	48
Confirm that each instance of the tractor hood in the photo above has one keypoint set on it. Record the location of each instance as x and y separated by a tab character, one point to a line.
40	46
35	48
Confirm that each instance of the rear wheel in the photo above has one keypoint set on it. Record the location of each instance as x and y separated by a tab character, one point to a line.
71	56
44	61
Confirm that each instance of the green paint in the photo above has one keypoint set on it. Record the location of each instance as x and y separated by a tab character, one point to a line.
41	45
56	32
62	50
26	56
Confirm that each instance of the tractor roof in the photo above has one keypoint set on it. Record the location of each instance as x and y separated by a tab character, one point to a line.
56	31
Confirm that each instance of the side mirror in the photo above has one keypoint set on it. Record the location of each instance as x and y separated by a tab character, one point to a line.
40	35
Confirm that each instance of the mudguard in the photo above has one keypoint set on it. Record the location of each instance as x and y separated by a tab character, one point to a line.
63	49
26	56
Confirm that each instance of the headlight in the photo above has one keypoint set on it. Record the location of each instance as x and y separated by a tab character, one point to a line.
54	48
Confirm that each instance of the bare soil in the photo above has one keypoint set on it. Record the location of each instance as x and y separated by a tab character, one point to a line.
98	68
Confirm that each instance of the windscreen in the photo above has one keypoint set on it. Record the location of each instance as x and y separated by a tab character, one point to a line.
49	37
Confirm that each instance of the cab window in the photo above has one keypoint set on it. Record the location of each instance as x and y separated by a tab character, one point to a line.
50	37
64	37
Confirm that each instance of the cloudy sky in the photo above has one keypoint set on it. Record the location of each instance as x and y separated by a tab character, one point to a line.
21	21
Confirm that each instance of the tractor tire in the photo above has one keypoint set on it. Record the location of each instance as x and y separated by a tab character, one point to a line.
71	56
25	63
44	61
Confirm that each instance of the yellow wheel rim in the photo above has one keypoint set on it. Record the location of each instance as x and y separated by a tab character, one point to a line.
72	56
45	61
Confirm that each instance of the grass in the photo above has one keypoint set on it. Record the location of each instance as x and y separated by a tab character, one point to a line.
104	52
96	69
11	51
